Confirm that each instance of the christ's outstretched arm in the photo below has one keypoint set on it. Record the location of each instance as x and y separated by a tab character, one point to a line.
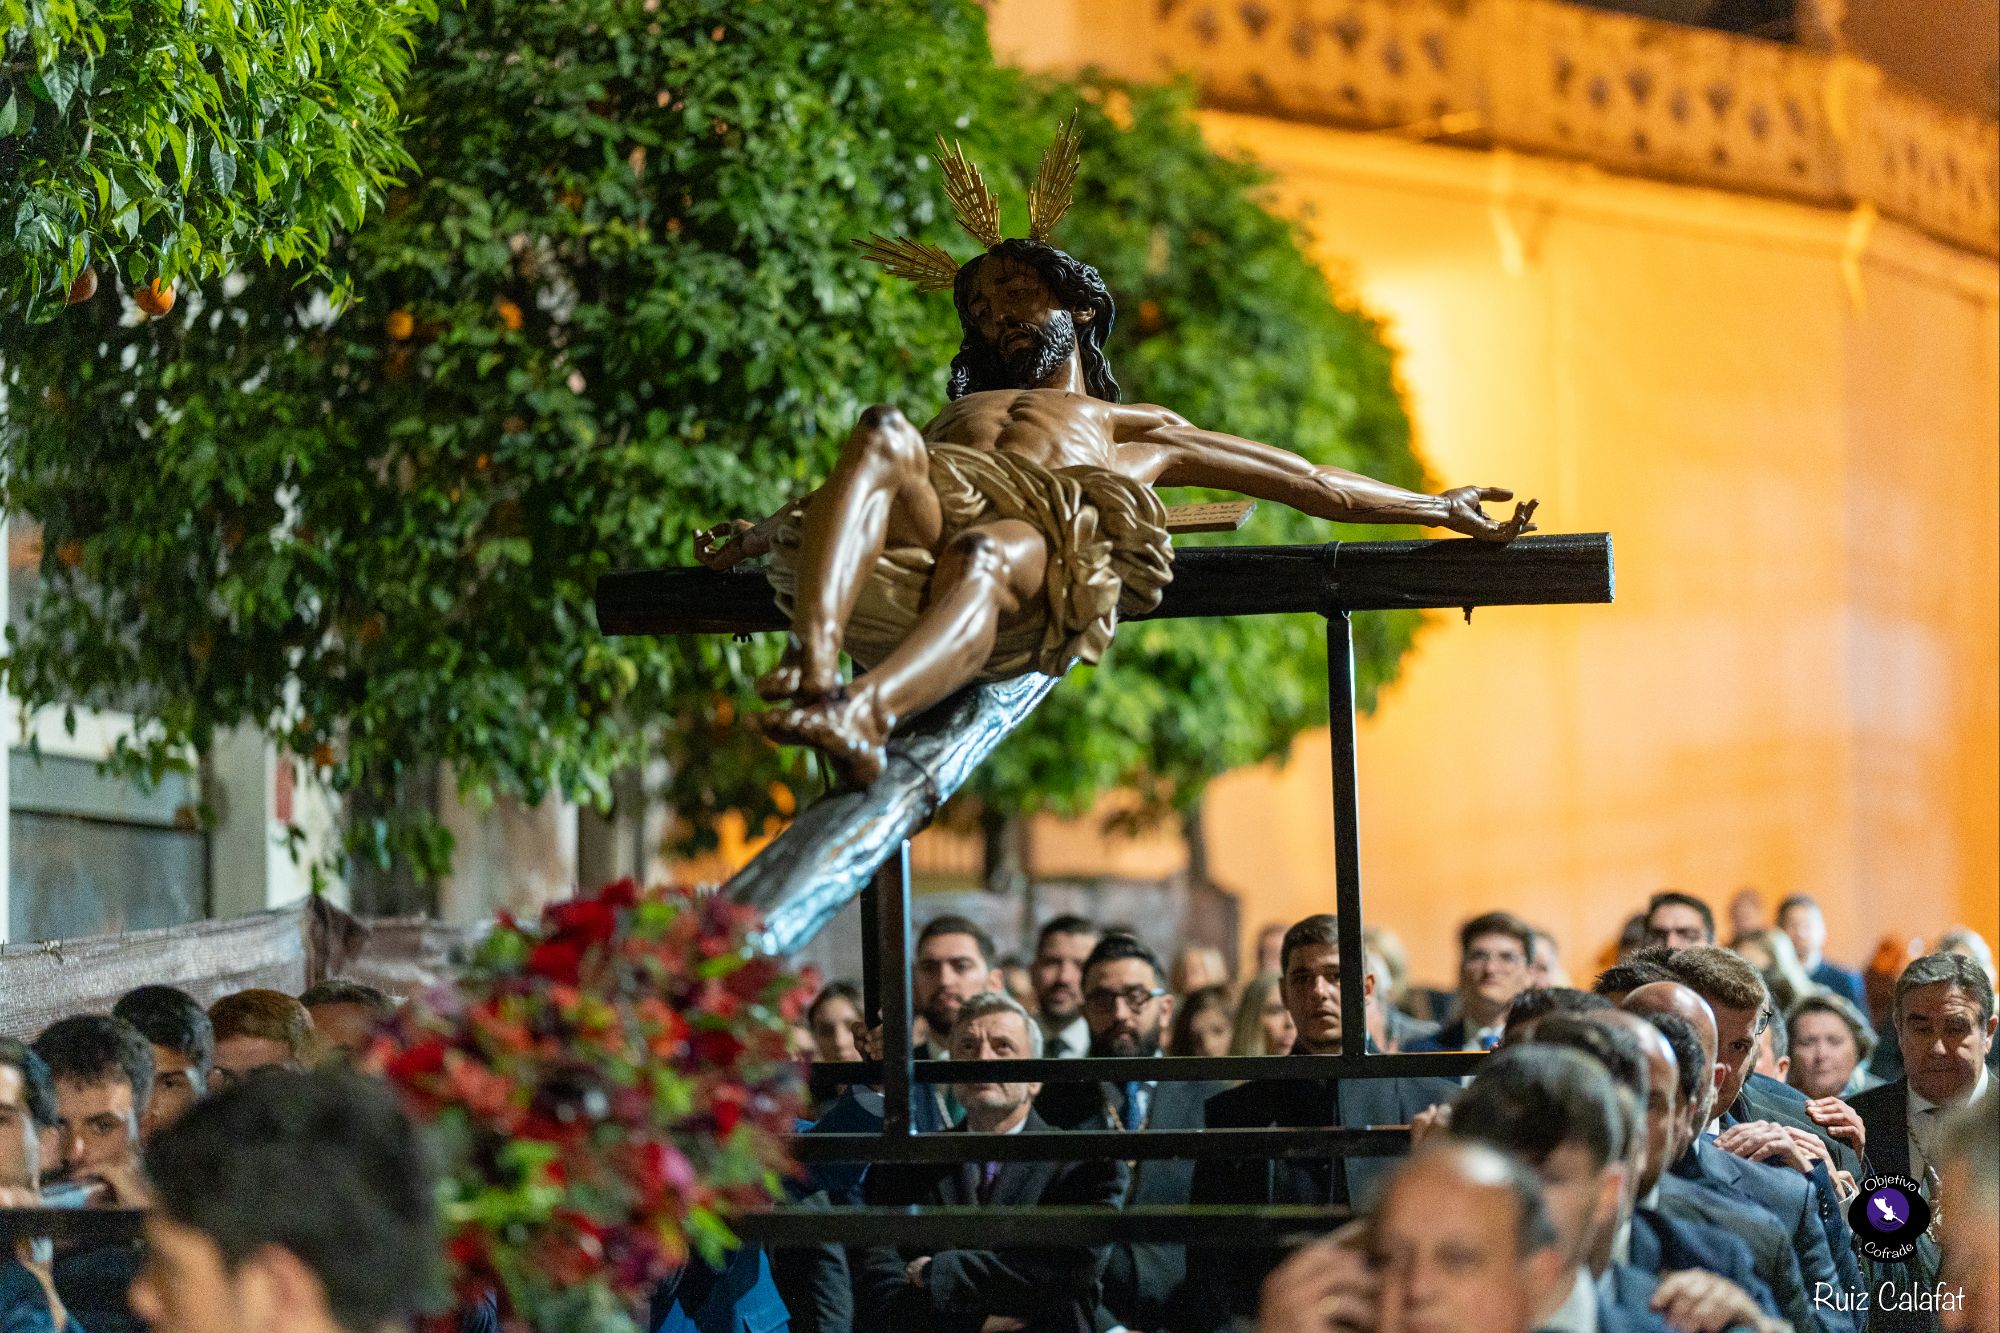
1181	454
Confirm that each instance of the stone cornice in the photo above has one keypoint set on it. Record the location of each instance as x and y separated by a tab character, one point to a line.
1633	96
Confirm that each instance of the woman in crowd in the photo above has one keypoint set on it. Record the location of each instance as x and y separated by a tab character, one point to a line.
834	1018
1772	953
1263	1025
1830	1046
1203	1023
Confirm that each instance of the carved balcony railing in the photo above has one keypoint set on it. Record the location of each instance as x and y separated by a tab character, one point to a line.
1632	95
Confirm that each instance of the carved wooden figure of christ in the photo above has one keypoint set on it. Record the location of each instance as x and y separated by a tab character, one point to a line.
1010	533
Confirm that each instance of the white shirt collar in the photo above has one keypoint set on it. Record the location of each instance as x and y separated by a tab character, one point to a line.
1074	1035
1578	1312
1621	1247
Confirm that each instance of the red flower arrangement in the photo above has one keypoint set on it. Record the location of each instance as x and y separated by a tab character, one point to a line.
607	1089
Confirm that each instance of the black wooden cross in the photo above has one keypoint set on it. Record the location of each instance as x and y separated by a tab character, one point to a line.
847	839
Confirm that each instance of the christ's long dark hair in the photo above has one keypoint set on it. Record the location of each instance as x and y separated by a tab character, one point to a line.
1076	285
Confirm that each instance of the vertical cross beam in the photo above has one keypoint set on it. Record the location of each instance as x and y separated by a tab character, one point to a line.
892	979
1346	831
871	952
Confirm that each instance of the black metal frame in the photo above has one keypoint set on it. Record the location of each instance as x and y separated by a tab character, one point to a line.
1333	580
886	936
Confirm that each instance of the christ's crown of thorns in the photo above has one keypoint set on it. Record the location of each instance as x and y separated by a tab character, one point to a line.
977	209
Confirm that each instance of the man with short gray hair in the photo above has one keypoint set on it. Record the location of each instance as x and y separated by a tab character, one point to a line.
1944	1022
1049	1289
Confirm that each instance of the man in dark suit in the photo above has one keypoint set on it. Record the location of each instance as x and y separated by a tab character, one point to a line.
1699	1276
1048	1289
1494	951
1944	1023
1653	1242
1759	1127
1223	1288
1800	918
1127	1006
1709	1189
1557	1111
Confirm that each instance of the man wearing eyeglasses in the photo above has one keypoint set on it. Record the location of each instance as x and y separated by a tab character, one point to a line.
1495	952
1128	1008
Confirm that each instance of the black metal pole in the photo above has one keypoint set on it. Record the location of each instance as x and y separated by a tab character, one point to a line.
892	969
1346	831
871	950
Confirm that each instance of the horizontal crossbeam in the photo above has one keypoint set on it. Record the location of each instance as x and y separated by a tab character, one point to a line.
1208	581
986	1227
1172	1069
82	1226
1095	1145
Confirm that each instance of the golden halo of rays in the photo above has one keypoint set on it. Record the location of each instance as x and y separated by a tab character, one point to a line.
977	209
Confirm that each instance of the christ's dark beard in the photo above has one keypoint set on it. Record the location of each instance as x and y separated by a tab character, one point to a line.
1043	355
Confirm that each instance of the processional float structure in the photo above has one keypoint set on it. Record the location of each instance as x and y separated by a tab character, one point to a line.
855	843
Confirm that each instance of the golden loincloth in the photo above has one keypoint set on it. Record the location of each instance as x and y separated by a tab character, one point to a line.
1108	556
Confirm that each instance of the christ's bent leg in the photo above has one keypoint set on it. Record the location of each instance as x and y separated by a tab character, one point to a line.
880	488
985	574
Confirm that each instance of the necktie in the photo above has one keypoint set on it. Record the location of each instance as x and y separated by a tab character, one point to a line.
987	1175
1131	1115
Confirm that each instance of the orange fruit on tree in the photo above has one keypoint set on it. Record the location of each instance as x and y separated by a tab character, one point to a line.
83	288
71	554
510	314
399	325
156	298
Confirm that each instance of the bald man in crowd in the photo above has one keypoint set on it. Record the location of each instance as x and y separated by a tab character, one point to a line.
1704	1184
1649	1241
1777	1128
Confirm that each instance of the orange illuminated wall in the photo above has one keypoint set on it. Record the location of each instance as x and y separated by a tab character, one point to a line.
1786	418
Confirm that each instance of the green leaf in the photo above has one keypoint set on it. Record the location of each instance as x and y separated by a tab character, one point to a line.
9	114
221	167
59	81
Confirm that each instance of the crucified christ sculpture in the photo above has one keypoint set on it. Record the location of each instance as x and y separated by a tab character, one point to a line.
1009	533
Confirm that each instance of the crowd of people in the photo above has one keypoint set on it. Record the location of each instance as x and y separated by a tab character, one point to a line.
285	1193
1676	1146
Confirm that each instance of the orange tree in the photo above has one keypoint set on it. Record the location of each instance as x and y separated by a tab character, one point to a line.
142	140
618	302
